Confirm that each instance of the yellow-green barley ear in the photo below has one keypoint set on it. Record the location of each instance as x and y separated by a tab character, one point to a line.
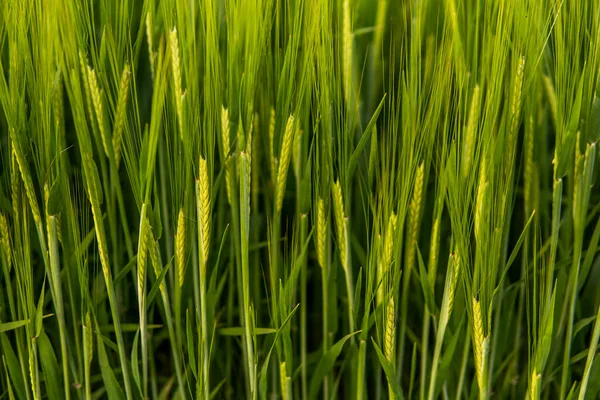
5	240
480	201
203	194
470	134
390	337
180	247
26	177
321	233
414	217
347	52
96	95
284	160
338	211
226	148
150	38
120	119
176	67
479	347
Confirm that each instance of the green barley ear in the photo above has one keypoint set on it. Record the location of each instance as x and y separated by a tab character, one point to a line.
282	378
297	147
5	240
121	112
338	210
273	162
88	339
479	345
414	218
390	336
284	160
142	251
388	252
203	200
180	247
96	95
26	176
388	242
149	36
480	201
433	252
515	114
470	134
390	330
86	86
456	264
347	51
226	149
154	256
321	233
176	66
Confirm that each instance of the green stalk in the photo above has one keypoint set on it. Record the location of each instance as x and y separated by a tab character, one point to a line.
244	234
56	281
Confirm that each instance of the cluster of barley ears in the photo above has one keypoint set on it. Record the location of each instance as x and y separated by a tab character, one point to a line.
263	199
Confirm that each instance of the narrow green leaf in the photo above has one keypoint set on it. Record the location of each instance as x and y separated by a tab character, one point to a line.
427	292
49	367
9	326
325	365
364	138
113	389
390	373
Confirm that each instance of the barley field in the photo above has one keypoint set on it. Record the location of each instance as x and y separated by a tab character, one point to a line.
299	199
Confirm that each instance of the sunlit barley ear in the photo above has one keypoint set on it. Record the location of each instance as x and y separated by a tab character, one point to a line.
96	94
142	252
480	201
338	211
383	267
120	119
515	114
456	269
479	344
470	138
347	54
321	233
414	218
203	192
390	337
226	148
5	240
150	39
26	177
86	85
284	161
390	330
180	247
176	67
434	249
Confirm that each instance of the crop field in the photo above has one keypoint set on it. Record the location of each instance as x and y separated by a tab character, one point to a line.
299	199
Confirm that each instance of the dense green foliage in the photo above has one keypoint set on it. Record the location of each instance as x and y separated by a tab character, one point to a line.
252	199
